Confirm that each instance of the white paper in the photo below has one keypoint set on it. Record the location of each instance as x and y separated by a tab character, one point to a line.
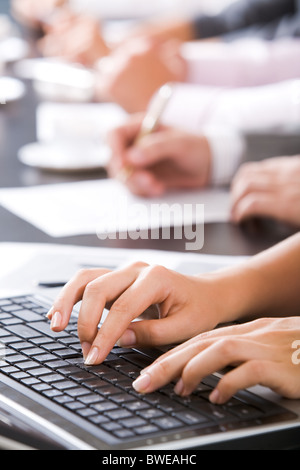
106	206
23	266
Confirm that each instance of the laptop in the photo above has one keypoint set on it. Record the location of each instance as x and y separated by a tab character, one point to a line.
49	399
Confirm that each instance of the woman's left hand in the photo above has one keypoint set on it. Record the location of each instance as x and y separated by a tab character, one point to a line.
186	306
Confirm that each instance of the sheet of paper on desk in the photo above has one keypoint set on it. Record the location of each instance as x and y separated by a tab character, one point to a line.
25	265
106	206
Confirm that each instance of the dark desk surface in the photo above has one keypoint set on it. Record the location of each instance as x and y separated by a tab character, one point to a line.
17	128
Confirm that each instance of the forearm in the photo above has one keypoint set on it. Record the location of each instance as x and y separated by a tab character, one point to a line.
197	108
267	285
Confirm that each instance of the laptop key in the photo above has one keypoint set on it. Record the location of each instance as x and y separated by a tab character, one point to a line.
133	423
148	429
27	315
20	375
90	399
216	413
104	406
11	308
5	302
150	413
40	371
119	414
77	392
64	385
80	376
51	378
23	331
109	391
34	351
190	417
66	353
246	412
123	433
44	328
138	360
27	365
136	405
122	398
167	423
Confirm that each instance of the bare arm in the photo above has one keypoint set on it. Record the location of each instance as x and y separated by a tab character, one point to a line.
267	285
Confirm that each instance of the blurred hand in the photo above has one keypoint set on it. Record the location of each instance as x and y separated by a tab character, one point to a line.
167	159
74	38
187	306
268	189
32	13
260	351
134	72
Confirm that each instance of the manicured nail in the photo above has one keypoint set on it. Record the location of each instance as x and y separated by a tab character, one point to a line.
50	313
179	387
127	340
142	383
92	357
86	347
56	320
215	397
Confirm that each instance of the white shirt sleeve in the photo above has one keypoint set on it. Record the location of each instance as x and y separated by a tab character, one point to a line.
225	115
242	63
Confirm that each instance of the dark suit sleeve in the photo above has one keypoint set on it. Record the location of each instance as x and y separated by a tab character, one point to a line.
247	14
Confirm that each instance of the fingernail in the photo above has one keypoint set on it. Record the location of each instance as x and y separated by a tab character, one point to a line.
179	387
215	397
92	357
86	347
142	383
56	320
50	313
128	339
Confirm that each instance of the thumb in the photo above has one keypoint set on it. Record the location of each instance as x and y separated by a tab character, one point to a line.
146	333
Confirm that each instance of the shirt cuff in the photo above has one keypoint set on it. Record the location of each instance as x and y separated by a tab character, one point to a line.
228	150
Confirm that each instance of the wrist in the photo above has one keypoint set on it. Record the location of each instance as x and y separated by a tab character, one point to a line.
236	294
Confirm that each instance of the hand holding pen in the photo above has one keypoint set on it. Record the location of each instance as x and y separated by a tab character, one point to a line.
151	158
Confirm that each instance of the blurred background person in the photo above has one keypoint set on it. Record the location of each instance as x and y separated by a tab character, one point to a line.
201	136
247	44
153	53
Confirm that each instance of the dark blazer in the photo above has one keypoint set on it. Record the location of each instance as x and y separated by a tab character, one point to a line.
268	19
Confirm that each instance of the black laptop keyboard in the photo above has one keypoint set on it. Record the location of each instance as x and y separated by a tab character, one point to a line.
51	364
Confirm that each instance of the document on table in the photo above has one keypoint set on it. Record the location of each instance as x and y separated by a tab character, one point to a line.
25	265
106	206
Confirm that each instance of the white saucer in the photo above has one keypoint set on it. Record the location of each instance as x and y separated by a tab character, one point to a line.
65	158
11	89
